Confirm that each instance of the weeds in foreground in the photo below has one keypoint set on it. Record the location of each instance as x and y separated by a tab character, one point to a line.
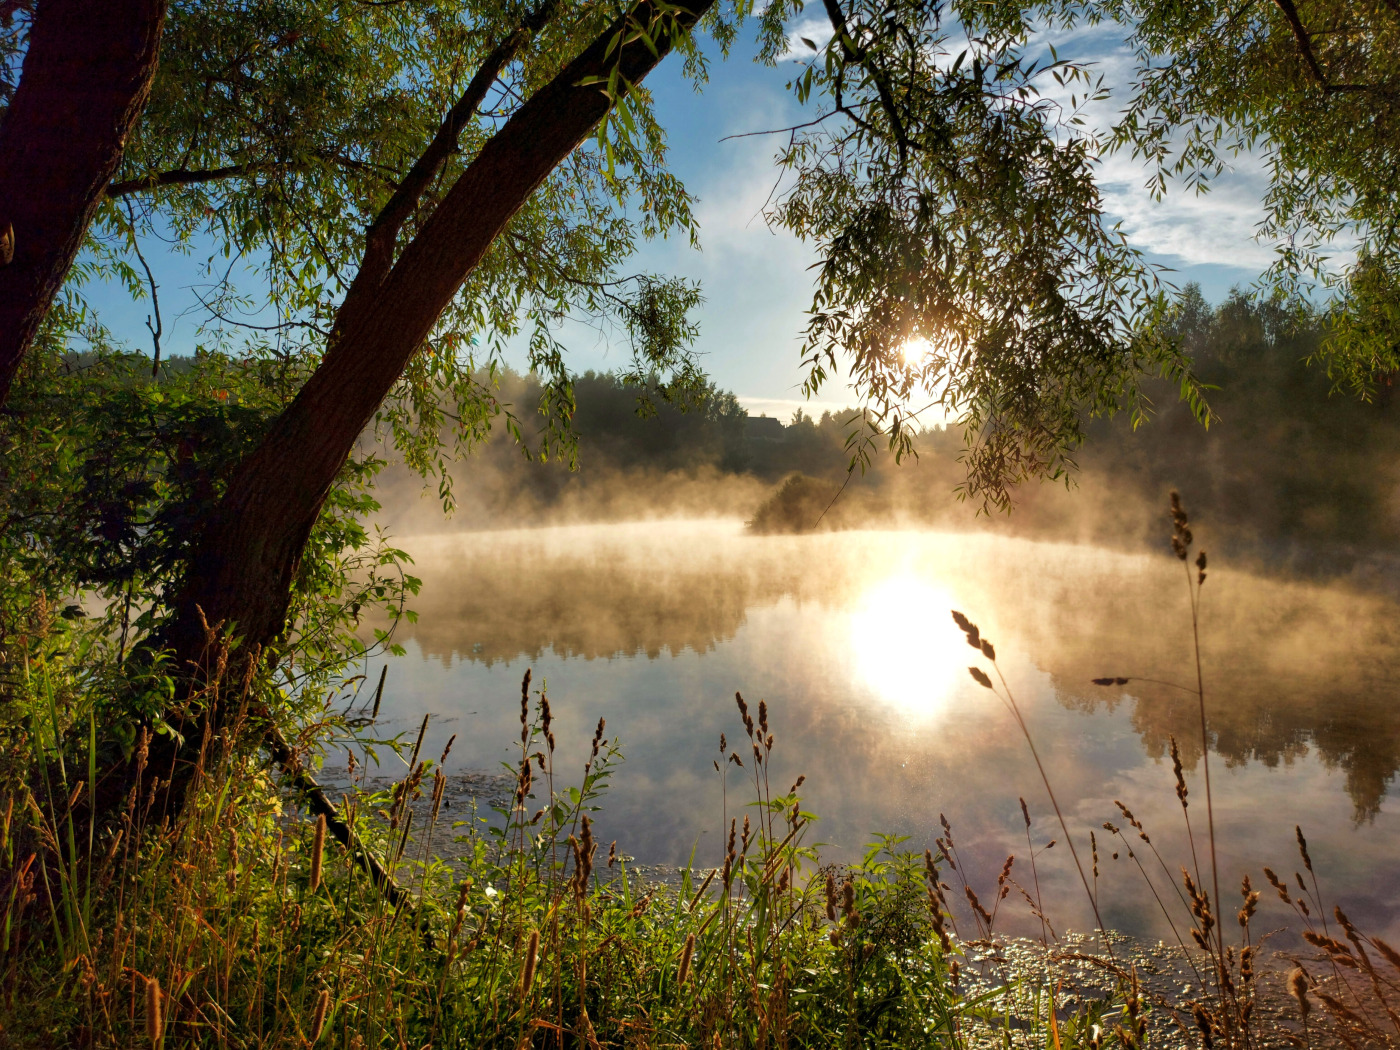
243	922
240	923
1356	992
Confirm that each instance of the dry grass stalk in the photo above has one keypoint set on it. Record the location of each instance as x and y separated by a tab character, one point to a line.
318	1021
527	971
318	849
155	1019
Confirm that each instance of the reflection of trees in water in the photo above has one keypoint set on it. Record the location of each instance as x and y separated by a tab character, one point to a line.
627	590
1290	667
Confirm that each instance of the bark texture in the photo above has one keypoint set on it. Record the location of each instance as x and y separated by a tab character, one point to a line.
84	82
247	556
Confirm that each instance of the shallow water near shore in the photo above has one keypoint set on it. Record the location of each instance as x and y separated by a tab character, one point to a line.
848	638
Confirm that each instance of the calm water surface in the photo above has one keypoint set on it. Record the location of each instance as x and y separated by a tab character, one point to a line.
849	640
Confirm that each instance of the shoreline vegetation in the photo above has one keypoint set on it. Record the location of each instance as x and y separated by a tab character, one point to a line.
249	920
1291	474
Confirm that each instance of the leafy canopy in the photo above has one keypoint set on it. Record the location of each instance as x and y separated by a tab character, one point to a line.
952	206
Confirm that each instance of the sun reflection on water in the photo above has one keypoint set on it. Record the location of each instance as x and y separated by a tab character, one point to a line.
906	649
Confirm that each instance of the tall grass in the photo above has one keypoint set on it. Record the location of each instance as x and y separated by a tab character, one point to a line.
266	914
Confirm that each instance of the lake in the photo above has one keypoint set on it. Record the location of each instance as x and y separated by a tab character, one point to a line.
848	638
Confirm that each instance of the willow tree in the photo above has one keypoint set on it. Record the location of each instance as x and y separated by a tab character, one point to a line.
416	176
1312	88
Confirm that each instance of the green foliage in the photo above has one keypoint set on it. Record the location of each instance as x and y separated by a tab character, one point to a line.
1311	87
965	262
107	477
248	927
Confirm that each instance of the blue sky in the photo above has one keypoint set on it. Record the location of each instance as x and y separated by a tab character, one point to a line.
756	282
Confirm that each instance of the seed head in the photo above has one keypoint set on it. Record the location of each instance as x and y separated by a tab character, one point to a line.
683	974
318	846
1298	988
527	973
318	1022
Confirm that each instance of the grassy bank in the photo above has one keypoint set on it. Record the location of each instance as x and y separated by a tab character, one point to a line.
270	912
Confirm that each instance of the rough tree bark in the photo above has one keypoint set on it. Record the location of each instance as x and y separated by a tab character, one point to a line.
241	573
84	82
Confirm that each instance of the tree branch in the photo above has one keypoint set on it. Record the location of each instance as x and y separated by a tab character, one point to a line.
837	18
1303	39
383	232
319	804
183	177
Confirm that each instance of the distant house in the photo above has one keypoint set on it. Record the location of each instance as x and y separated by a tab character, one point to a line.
764	428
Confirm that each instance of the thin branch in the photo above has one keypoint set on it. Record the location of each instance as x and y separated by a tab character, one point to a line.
184	177
317	801
782	131
383	232
158	328
838	22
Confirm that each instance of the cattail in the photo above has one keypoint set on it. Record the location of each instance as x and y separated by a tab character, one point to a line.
527	974
1181	791
1298	988
155	1022
1203	1023
318	846
1303	849
318	1022
683	974
1391	955
448	749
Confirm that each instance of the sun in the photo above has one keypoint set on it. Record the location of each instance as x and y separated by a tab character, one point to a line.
915	351
906	649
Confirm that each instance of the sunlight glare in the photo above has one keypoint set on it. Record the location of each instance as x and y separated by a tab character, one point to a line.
915	351
906	647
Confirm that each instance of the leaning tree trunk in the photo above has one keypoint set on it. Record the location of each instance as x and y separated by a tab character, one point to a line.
84	83
241	574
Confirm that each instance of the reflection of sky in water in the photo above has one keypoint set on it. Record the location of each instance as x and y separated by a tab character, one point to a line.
848	638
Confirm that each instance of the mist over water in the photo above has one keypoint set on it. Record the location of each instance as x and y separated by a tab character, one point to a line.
848	638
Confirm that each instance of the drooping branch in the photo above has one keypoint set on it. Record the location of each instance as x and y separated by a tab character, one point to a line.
245	559
837	18
85	80
1302	38
383	232
185	177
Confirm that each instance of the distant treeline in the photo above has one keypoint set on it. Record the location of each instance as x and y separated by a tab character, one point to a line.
1290	467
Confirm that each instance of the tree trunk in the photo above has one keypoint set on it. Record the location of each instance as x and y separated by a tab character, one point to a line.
84	83
247	555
